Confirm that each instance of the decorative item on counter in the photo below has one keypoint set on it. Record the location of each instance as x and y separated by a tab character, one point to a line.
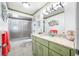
53	22
53	32
70	35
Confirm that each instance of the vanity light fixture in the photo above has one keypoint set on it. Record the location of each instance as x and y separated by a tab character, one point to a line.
52	8
49	9
61	4
57	5
45	12
26	4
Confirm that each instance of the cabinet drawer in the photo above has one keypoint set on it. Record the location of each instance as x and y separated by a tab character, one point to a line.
52	53
59	49
42	41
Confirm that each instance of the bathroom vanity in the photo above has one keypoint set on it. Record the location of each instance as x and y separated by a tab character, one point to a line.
45	45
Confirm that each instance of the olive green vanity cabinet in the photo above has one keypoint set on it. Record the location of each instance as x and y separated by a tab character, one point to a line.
59	49
34	47
42	47
38	47
72	52
42	50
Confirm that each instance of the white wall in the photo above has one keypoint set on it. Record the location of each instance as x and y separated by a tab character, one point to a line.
70	16
70	19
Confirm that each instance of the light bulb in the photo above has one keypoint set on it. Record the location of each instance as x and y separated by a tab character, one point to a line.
48	9
44	12
57	6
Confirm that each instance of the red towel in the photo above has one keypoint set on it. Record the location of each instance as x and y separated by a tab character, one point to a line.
8	41
5	44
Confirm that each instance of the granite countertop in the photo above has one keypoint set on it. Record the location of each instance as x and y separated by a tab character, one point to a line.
56	39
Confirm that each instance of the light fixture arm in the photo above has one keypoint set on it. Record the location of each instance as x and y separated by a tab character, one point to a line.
52	8
61	5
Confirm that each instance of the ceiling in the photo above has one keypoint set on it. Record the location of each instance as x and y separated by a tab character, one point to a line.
34	7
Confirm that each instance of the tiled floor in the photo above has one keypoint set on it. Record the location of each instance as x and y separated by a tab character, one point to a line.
21	48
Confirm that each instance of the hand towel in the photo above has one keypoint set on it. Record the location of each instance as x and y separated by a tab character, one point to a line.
5	44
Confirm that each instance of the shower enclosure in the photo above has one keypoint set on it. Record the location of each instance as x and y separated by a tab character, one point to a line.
19	28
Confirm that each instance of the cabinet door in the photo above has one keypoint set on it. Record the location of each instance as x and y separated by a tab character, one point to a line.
59	49
39	49
34	47
45	51
72	52
42	41
52	53
42	50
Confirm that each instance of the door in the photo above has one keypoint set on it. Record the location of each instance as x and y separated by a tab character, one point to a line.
19	28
